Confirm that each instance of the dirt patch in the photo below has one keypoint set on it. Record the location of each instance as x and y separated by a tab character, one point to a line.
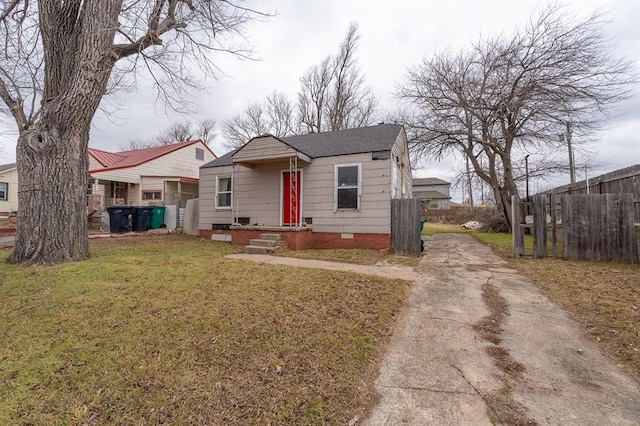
501	407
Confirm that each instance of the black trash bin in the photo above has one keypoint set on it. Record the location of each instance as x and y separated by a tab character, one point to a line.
119	218
141	218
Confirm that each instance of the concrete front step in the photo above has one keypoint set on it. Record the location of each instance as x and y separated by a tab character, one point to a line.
263	243
272	237
259	249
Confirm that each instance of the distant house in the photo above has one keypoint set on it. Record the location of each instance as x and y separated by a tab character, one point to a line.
8	188
152	176
320	190
433	193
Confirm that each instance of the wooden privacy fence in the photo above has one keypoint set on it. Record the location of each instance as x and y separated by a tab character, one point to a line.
594	227
405	226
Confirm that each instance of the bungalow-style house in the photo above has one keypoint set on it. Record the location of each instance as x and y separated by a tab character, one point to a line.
151	176
8	188
320	190
433	193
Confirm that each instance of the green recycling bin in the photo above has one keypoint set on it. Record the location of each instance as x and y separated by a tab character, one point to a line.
157	217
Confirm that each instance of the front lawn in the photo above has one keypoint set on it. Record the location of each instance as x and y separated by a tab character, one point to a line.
164	329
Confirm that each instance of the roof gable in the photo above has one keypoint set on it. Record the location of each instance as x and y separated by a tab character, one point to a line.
133	158
263	148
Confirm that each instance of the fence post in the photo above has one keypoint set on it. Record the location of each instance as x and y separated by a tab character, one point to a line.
517	232
554	225
539	226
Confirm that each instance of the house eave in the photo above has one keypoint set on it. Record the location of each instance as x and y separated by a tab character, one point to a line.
254	161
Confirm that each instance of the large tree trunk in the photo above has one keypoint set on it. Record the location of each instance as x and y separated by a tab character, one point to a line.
52	214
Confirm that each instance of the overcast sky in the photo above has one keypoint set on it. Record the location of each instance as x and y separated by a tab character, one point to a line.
393	36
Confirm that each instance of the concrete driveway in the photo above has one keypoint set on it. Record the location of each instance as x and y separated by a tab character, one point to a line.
438	371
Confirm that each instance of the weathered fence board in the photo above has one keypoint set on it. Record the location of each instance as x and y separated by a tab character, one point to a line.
405	226
539	226
517	231
554	225
599	228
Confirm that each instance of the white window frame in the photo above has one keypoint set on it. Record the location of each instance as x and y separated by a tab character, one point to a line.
6	191
218	206
151	191
335	186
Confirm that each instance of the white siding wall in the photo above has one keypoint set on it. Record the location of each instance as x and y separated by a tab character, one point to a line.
401	168
178	163
260	195
374	215
11	178
93	163
208	214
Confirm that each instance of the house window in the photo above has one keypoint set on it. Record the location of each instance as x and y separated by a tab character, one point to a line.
200	154
223	192
4	188
347	180
152	195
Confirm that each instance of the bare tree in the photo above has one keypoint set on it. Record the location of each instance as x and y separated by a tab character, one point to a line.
177	132
507	97
333	95
350	103
312	98
274	116
58	61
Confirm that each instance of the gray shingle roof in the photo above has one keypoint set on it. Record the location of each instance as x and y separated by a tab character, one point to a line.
328	144
430	181
4	167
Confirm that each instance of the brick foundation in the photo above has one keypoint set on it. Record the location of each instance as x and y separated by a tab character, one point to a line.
306	239
207	233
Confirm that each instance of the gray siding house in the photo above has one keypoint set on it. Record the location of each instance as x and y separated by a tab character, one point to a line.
320	190
433	193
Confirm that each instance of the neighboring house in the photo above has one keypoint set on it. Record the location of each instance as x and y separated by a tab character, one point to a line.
8	188
151	176
433	193
320	190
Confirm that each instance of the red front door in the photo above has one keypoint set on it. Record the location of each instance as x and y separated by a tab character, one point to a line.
291	189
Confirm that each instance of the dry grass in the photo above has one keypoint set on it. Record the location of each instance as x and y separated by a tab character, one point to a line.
431	228
354	256
164	329
603	297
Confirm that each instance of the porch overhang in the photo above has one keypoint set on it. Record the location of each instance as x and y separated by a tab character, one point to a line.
251	162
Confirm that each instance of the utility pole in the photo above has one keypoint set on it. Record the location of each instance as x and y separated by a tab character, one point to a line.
526	173
567	135
572	172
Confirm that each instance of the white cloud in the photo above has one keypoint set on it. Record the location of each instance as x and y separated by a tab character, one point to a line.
394	36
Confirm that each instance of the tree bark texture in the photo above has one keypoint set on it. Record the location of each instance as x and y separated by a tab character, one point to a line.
52	219
51	153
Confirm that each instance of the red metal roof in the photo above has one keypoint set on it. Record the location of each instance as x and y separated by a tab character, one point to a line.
105	158
124	159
